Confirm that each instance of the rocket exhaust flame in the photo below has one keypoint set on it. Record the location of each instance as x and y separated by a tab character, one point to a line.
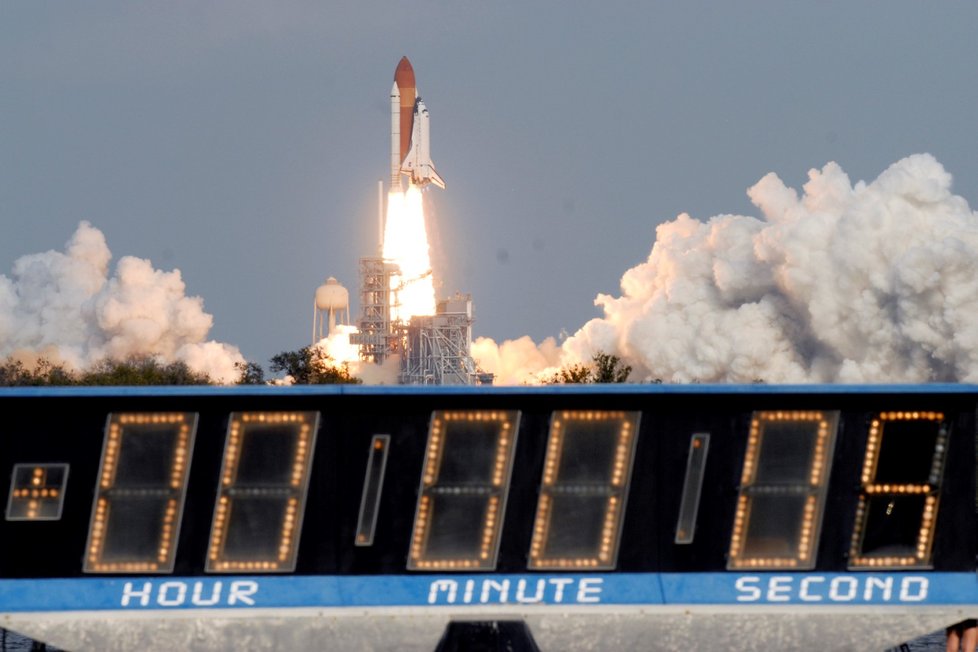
406	244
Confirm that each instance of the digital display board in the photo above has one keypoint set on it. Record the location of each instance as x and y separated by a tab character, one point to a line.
761	475
465	481
585	485
262	491
142	483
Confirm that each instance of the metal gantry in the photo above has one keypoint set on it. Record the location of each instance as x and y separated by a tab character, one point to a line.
437	351
379	336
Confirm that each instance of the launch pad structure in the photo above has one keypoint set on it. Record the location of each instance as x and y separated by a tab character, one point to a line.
438	346
432	349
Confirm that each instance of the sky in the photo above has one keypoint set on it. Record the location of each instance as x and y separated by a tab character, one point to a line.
241	142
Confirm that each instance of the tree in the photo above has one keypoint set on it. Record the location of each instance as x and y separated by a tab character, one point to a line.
604	368
571	374
311	366
251	373
135	370
294	363
610	369
141	370
13	373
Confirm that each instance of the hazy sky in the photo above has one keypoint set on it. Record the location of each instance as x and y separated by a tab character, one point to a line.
241	142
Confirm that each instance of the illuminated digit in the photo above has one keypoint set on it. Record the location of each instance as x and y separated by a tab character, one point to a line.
782	492
467	466
142	482
262	492
901	481
37	492
585	485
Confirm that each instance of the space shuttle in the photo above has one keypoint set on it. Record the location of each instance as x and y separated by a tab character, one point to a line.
410	144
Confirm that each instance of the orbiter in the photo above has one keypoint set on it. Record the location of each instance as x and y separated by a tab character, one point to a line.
410	146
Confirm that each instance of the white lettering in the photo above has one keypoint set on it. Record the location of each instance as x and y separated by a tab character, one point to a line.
489	585
560	584
589	589
469	589
537	596
450	586
164	600
128	593
842	588
198	591
805	594
747	589
779	589
242	590
852	589
913	589
885	583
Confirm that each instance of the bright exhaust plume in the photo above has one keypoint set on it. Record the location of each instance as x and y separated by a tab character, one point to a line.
406	244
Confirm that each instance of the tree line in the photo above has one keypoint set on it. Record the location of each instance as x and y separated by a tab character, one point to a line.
306	366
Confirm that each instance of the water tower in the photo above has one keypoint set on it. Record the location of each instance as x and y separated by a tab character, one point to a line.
331	306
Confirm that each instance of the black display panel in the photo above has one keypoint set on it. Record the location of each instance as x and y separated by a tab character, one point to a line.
782	492
262	492
464	484
900	488
142	484
585	485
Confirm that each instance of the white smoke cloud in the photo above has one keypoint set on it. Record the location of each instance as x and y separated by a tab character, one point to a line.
65	306
378	374
336	348
872	282
517	362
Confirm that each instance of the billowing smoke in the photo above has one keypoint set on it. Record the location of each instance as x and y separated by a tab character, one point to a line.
66	307
519	361
335	350
872	282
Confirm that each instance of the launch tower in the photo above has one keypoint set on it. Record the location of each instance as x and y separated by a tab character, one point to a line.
379	335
